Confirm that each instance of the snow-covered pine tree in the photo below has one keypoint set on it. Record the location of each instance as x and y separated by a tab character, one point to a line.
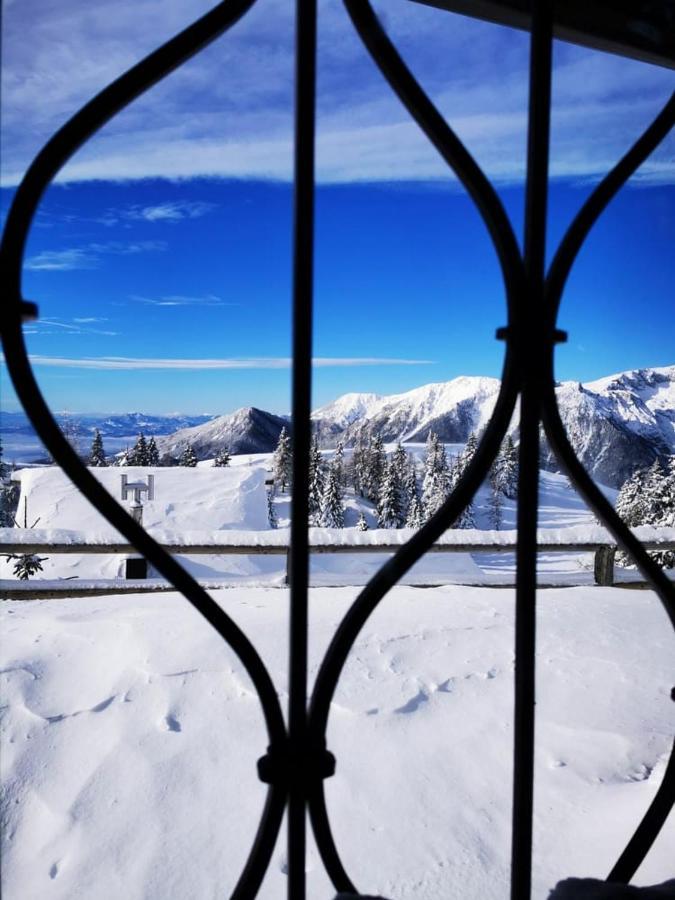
153	452
648	498
466	518
415	518
435	484
222	459
97	455
495	503
409	487
631	501
362	525
331	514
506	469
187	457
316	481
282	461
4	468
357	468
389	505
469	450
375	463
272	518
25	564
139	454
339	461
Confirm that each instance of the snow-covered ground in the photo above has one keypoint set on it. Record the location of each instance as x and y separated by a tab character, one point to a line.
130	734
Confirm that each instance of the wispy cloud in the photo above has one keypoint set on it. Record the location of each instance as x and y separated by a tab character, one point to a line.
170	211
88	256
74	326
122	362
199	123
178	300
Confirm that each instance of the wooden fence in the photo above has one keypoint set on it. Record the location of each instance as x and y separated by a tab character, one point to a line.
136	569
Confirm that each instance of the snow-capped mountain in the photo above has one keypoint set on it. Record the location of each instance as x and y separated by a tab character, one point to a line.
248	430
620	423
453	409
616	424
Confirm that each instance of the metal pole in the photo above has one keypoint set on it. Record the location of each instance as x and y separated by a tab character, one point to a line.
303	274
531	315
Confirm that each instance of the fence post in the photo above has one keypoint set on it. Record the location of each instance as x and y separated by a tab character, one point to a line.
603	568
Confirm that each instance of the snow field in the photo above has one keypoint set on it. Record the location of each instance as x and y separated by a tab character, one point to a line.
130	735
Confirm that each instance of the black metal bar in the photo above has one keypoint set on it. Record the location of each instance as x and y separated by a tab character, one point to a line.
48	162
530	333
648	829
598	201
303	276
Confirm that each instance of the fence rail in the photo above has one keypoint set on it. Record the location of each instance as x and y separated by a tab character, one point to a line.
603	568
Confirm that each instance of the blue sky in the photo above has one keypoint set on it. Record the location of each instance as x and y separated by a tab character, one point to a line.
161	259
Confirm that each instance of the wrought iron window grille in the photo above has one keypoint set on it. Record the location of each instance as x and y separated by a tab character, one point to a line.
297	759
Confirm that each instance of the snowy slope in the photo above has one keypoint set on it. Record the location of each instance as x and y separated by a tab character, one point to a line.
130	734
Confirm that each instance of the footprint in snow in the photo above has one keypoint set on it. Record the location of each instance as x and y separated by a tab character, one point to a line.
171	723
414	703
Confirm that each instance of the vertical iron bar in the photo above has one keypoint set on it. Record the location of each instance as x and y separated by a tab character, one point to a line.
303	230
533	351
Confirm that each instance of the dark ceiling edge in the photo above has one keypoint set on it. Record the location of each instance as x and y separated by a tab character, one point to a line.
596	25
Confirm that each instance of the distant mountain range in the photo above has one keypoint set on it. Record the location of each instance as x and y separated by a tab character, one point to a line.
110	425
616	424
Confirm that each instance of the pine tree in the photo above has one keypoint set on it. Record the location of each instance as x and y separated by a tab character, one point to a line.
435	485
331	513
25	564
362	525
409	489
187	457
139	454
357	468
506	469
389	506
153	452
282	461
469	449
373	470
97	455
4	468
222	459
466	518
495	503
272	518
631	501
339	461
415	518
316	481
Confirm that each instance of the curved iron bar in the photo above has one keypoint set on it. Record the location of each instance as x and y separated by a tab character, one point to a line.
654	818
499	227
451	149
598	201
43	169
648	829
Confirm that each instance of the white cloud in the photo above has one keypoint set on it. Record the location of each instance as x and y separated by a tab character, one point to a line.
88	256
228	112
121	362
75	326
206	300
